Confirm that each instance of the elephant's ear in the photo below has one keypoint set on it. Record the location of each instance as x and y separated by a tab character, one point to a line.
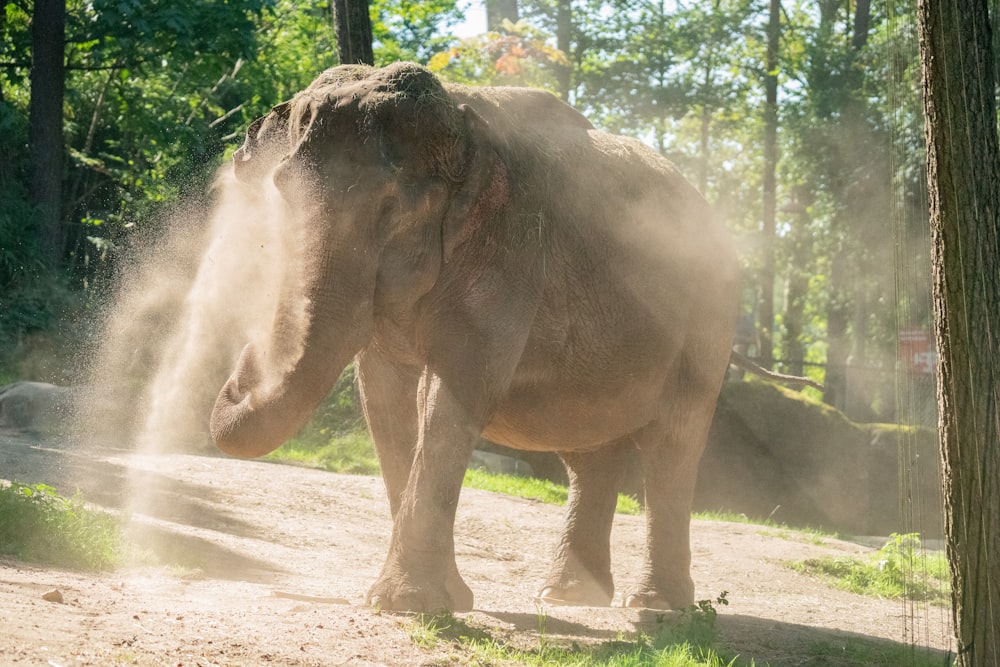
484	190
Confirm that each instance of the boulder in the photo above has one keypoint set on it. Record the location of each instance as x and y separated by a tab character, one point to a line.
35	407
774	453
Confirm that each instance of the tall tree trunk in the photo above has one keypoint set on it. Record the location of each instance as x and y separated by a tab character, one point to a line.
354	32
849	168
497	11
564	33
45	124
796	287
963	164
766	310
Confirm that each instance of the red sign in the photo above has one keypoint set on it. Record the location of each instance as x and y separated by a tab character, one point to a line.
916	351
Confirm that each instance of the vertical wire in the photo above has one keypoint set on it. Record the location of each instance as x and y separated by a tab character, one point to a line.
911	393
903	388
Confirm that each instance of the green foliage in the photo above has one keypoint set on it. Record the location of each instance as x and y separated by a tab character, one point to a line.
156	100
517	55
411	30
37	524
899	570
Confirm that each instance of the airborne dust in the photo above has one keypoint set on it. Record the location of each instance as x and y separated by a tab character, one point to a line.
189	304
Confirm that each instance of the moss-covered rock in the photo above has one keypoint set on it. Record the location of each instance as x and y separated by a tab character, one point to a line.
775	453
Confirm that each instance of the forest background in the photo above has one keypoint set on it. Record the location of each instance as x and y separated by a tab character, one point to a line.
800	120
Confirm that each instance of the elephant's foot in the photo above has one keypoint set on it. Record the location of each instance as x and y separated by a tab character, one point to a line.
676	595
388	594
583	592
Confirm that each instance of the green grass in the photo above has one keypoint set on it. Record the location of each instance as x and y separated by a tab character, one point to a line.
349	453
39	525
771	528
352	454
899	570
687	641
535	489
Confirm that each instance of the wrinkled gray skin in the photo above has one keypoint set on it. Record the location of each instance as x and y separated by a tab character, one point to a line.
497	268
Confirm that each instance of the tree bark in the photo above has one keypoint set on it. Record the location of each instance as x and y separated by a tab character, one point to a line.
45	124
353	24
497	11
963	164
564	34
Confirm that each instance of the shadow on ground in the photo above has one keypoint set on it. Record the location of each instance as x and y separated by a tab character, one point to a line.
762	641
154	502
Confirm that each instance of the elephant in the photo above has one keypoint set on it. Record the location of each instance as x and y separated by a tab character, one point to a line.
495	267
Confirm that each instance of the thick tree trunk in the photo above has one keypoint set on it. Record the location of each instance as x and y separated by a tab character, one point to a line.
354	32
45	124
963	163
497	11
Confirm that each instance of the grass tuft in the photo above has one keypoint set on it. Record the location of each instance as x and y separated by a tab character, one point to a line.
899	570
39	525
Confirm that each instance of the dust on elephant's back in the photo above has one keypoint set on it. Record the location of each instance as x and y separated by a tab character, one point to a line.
496	266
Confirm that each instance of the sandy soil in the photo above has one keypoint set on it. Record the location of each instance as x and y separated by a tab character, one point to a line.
268	565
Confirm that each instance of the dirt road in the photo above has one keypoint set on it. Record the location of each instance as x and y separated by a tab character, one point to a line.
269	564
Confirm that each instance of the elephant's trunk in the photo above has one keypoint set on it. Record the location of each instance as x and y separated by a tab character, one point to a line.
273	391
252	417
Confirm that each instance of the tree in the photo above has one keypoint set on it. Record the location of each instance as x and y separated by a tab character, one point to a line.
354	31
45	129
414	31
963	162
766	311
498	11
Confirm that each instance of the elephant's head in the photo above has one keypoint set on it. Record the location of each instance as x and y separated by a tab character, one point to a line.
381	170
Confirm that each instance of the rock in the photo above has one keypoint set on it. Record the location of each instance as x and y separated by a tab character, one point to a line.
55	595
35	407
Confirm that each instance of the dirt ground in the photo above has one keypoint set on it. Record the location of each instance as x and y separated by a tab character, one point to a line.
268	565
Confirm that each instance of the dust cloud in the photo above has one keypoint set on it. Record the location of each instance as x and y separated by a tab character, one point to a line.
188	305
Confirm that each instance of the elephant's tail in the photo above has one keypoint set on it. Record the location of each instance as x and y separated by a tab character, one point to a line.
738	360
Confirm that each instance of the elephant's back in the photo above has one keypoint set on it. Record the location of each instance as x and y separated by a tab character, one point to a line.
511	111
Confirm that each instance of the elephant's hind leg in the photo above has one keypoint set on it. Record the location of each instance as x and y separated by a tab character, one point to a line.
671	449
581	569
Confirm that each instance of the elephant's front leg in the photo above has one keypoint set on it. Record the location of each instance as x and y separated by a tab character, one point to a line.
420	573
389	399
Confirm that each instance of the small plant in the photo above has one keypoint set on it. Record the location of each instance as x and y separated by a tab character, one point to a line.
901	569
37	524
